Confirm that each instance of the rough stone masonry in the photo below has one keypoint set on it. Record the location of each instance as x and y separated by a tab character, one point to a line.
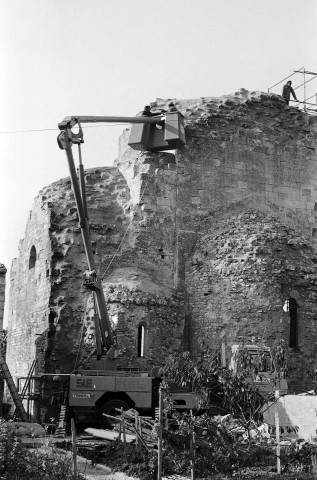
3	272
207	243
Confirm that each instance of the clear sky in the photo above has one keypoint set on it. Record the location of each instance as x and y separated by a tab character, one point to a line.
111	57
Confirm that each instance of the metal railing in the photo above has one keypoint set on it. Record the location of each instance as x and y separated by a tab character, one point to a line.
307	106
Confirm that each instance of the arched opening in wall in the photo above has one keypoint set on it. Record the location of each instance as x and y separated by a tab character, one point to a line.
32	258
141	340
293	331
51	320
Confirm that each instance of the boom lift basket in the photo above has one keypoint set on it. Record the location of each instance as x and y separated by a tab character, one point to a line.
154	137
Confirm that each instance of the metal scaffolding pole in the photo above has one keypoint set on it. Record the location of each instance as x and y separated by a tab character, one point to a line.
304	102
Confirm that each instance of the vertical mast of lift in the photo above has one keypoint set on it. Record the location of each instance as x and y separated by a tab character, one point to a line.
103	331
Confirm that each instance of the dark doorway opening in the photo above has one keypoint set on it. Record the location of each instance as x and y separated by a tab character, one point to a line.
293	334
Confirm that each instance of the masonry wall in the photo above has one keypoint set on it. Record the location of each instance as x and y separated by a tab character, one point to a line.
241	199
29	290
138	288
247	223
207	243
3	272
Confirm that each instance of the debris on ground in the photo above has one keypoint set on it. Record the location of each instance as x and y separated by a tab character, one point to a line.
110	435
26	429
129	427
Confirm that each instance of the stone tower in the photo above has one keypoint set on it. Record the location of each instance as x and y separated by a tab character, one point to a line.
208	243
3	272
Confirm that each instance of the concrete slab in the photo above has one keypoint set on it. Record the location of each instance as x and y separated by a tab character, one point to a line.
297	416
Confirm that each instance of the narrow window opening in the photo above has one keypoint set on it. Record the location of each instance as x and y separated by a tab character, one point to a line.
32	258
51	317
314	233
293	334
161	250
141	339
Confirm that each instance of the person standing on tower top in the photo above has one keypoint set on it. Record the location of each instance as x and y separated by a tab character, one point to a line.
287	91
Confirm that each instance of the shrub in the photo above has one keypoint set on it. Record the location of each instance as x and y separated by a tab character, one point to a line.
126	458
19	463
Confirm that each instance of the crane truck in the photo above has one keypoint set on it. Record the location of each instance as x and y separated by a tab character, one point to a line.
104	388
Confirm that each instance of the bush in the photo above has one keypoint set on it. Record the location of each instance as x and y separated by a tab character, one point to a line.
19	463
216	384
299	457
218	448
136	462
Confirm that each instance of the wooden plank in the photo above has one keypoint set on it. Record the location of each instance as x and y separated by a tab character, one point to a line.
108	434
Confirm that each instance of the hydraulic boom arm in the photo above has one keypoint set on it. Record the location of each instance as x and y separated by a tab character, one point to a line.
169	134
105	343
69	122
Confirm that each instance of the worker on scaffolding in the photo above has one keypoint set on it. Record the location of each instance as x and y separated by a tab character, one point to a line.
287	91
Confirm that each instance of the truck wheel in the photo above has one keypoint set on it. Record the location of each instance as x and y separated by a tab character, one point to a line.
110	409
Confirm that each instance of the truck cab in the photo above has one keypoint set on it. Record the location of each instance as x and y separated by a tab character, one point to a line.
260	363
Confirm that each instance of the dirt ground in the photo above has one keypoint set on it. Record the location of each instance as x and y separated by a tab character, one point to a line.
99	472
103	472
84	466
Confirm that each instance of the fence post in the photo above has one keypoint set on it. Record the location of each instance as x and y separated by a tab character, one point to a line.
192	447
223	354
123	426
136	424
140	426
74	448
160	439
278	447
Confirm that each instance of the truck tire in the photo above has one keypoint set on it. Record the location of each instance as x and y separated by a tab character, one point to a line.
110	409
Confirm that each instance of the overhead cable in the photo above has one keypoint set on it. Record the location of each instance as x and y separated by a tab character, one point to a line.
56	129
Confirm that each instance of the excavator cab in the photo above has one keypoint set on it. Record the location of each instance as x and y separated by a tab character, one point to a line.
156	137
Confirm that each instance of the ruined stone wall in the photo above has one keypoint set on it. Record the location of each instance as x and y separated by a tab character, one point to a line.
29	290
247	221
242	201
207	243
138	285
47	309
3	272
